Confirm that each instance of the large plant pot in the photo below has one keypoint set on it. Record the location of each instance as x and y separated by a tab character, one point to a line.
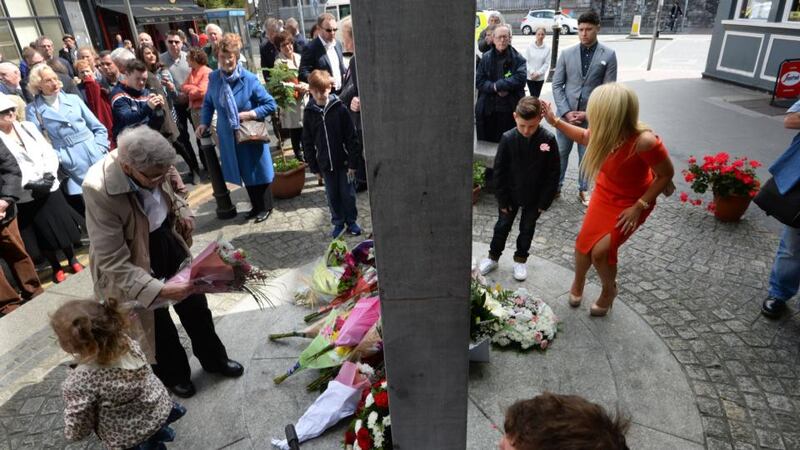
289	184
476	194
730	208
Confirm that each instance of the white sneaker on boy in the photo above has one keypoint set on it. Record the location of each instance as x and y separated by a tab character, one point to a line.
520	271
487	265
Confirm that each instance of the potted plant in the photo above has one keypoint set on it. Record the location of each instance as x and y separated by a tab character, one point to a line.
478	180
290	176
733	182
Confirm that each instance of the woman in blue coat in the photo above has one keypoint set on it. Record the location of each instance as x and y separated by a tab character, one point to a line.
237	95
78	137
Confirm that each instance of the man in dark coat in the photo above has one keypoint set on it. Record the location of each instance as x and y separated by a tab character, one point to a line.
268	50
70	51
299	40
500	81
526	170
324	53
12	249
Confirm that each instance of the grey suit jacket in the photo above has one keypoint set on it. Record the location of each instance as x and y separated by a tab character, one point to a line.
571	89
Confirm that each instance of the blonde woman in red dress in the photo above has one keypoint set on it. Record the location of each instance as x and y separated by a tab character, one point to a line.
630	167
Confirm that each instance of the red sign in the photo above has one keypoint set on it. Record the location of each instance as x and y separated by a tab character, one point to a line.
787	84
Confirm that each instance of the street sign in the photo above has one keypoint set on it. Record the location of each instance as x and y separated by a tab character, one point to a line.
787	82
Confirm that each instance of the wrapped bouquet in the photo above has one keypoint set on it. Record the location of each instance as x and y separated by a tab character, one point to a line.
372	426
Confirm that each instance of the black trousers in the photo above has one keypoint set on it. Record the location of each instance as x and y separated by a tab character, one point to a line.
527	226
172	364
184	116
491	126
260	197
296	136
535	87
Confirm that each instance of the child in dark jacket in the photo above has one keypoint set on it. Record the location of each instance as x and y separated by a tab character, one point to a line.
331	147
526	171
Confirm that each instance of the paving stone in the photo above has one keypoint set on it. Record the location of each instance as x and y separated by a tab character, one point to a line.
769	439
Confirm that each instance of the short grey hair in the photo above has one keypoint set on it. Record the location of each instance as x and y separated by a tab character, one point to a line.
496	14
502	25
213	26
144	148
540	27
121	56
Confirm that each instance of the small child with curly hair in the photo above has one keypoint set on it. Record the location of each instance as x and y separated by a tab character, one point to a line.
558	422
112	390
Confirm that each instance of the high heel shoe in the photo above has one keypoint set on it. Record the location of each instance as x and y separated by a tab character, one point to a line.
599	311
575	300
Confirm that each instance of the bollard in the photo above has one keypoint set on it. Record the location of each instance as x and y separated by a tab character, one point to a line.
225	208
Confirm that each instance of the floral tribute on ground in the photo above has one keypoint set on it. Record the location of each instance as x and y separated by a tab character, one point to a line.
346	344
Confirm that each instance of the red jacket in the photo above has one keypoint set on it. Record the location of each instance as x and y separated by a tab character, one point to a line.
99	104
196	85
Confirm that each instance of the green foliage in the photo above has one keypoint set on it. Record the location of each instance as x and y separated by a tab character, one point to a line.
214	4
478	174
284	95
285	164
480	315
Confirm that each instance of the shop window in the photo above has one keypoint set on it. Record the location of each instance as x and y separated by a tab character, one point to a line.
44	7
754	9
52	29
792	11
8	48
18	8
26	31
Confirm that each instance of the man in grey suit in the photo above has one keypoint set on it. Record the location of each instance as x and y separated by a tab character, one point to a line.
579	70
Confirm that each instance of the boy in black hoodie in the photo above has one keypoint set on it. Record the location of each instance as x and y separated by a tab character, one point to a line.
330	144
526	171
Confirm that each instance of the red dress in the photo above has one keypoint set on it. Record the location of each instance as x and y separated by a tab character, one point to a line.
624	177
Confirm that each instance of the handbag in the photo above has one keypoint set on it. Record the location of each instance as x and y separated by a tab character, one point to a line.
784	207
252	131
41	188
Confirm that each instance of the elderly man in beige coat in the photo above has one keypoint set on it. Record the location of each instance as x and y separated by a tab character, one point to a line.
133	216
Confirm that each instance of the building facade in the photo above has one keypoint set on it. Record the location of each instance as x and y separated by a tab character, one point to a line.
750	40
22	21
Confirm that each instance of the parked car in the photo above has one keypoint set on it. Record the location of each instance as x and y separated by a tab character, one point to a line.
545	18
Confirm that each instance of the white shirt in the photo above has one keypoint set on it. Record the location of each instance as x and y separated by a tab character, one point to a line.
538	60
35	158
154	206
333	57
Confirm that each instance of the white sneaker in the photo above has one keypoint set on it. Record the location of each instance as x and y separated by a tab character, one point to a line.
487	265
520	271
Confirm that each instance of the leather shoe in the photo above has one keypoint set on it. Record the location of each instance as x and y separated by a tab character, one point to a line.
230	369
183	390
262	216
773	308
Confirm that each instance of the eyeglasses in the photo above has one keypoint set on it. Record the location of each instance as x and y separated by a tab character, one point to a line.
6	112
151	178
331	30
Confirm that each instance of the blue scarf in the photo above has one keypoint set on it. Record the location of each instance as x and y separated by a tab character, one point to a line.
226	99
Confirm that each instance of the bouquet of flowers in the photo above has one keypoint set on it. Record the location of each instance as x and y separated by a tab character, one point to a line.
725	176
524	321
372	426
221	267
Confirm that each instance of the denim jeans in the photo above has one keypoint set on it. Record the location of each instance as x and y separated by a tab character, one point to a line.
341	197
527	226
785	277
564	149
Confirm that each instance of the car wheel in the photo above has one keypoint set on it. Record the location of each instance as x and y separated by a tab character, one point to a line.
526	30
564	29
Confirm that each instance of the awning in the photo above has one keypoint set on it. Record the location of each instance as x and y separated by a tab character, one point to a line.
147	13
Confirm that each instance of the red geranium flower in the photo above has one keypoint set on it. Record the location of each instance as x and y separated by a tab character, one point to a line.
755	164
689	177
697	202
349	437
721	157
382	400
684	197
692	160
738	163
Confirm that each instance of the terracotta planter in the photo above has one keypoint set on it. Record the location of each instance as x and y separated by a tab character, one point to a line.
289	184
730	208
476	194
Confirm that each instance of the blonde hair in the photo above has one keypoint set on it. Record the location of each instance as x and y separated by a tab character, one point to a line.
35	78
230	43
92	331
613	115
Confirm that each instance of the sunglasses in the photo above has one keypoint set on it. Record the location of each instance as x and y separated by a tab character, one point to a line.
331	30
6	112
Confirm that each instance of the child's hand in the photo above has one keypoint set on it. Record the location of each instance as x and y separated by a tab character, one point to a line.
505	210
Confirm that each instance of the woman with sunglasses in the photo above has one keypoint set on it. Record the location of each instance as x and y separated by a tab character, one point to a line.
44	216
79	139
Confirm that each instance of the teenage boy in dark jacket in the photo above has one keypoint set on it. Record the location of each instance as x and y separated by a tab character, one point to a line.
330	144
526	171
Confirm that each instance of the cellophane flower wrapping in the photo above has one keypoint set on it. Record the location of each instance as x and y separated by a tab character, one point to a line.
338	401
365	313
